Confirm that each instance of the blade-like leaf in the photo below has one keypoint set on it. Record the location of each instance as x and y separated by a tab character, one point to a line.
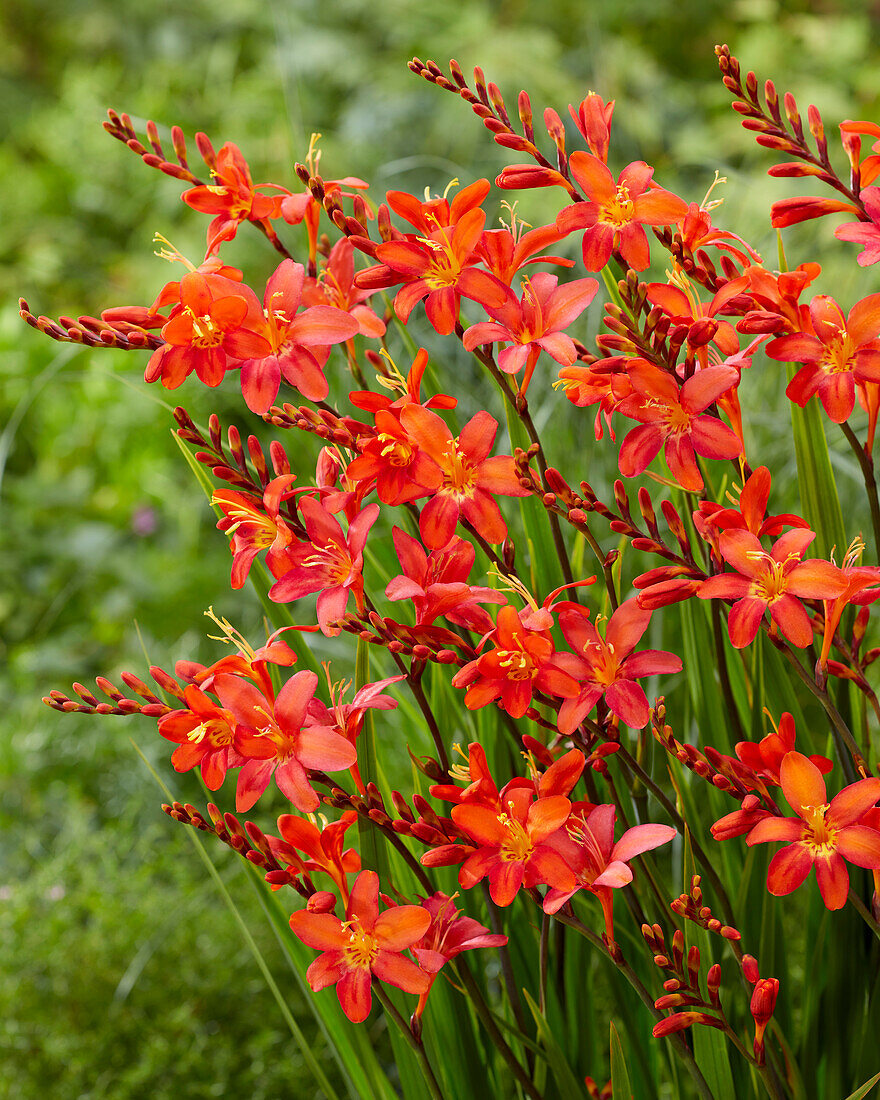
863	1090
620	1086
566	1082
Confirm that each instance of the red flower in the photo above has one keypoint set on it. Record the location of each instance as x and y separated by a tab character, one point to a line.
823	835
335	287
255	528
593	119
470	478
751	515
437	583
429	215
283	744
607	666
842	352
322	846
671	419
511	844
770	582
615	213
217	323
366	943
505	251
765	758
233	198
450	933
439	268
602	383
347	719
861	588
534	324
206	735
330	563
523	661
600	866
299	344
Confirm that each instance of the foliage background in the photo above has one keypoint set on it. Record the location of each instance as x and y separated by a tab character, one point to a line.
122	974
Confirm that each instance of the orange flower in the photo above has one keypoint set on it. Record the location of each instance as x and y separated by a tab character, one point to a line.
615	213
823	835
771	582
470	478
521	662
366	943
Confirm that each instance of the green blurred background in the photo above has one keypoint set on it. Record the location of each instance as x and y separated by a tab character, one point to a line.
122	974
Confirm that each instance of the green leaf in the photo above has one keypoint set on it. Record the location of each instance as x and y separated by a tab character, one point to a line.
620	1086
299	1038
863	1090
712	1056
568	1085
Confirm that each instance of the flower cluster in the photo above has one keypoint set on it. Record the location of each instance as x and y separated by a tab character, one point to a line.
430	538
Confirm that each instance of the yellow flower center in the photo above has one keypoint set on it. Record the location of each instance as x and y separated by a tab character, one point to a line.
335	559
397	451
818	837
516	846
445	265
215	730
619	210
205	333
362	947
772	583
459	473
517	665
839	354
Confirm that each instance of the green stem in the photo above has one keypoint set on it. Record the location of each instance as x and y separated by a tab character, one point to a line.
519	405
414	1043
507	969
485	1015
866	462
863	912
542	963
839	729
721	661
680	823
676	1038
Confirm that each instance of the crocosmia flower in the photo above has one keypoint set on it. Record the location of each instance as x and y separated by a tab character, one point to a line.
587	846
470	477
673	417
616	212
365	944
217	324
608	667
838	353
511	844
522	661
823	835
330	563
771	582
